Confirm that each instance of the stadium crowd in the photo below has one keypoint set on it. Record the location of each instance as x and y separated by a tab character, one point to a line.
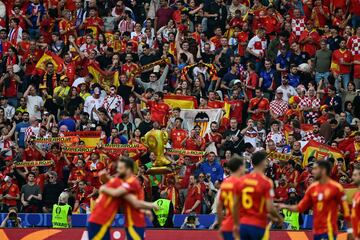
277	63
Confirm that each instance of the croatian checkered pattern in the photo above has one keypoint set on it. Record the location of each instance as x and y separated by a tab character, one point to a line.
308	102
298	25
316	137
111	103
279	107
354	45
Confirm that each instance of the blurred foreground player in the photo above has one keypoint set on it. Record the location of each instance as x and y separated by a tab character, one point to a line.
134	217
107	206
355	213
226	197
253	202
324	196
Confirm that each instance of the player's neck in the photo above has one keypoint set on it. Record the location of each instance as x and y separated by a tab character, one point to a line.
258	170
324	180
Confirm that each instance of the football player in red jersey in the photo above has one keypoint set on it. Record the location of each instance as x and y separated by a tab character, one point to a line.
107	206
355	212
253	200
325	196
134	217
226	197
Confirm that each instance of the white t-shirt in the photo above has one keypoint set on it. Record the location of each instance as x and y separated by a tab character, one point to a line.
33	101
288	92
92	102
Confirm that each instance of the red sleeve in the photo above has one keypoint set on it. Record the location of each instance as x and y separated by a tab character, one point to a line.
306	202
344	204
269	190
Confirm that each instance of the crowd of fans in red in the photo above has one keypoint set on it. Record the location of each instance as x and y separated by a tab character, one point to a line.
276	62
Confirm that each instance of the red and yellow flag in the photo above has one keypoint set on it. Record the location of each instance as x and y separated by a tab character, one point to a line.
50	57
319	151
288	129
183	102
90	138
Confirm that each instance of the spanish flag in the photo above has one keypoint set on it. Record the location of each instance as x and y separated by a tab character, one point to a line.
319	151
288	129
91	138
50	57
102	77
183	102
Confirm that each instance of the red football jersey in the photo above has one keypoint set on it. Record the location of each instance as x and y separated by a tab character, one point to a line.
106	207
227	191
355	214
134	217
159	112
325	199
177	136
253	190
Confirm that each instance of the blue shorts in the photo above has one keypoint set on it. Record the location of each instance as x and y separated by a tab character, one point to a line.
228	235
249	232
135	233
98	232
324	236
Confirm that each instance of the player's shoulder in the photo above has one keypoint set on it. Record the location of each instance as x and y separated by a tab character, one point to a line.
230	182
312	186
336	185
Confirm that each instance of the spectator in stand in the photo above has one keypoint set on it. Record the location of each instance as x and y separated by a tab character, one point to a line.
193	198
212	167
10	194
31	195
51	193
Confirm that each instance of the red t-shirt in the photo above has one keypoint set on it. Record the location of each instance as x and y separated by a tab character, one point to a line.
261	104
11	89
82	196
13	191
236	109
134	217
194	194
346	56
227	192
355	214
325	200
310	48
59	163
191	144
31	154
253	190
243	37
252	82
159	112
94	170
281	192
177	136
106	207
215	104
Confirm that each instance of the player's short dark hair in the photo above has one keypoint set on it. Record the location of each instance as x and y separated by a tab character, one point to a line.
258	157
179	118
323	164
235	163
129	163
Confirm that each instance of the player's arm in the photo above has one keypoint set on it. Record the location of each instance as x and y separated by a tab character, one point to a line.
273	211
113	192
302	206
219	209
346	212
139	204
235	215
